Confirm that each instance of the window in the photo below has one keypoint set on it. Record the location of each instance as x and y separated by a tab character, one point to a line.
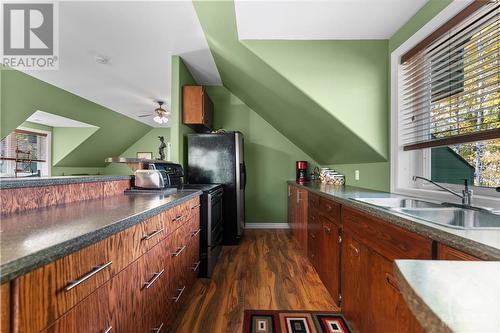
24	153
451	97
448	109
451	86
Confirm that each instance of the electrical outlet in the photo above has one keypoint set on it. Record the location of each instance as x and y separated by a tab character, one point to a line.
356	175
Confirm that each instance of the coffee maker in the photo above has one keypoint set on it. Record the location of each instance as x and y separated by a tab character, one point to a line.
301	171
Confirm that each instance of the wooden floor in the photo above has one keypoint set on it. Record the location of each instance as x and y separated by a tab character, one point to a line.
266	271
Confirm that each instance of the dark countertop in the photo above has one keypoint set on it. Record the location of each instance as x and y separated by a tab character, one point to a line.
36	237
6	183
482	243
452	296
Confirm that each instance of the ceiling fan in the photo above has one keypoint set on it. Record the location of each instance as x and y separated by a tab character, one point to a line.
160	114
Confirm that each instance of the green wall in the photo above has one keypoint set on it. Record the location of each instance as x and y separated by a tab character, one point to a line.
269	157
22	95
67	139
181	76
272	79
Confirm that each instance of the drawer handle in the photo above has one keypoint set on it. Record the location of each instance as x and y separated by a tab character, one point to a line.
391	281
157	329
195	266
176	299
107	330
328	230
354	249
151	235
178	218
87	276
153	279
179	251
196	232
194	207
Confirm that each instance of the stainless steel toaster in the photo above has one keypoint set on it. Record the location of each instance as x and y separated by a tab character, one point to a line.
149	179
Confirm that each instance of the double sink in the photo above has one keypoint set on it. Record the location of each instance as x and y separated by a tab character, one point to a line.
439	213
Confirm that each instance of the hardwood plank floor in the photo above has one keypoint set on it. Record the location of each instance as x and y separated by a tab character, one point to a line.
266	271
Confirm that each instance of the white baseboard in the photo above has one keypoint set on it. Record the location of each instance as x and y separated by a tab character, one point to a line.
267	226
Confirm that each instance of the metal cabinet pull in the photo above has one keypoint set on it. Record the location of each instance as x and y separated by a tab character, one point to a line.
176	299
151	235
354	248
107	330
157	329
194	207
179	251
87	276
153	279
195	266
178	218
196	232
392	282
328	229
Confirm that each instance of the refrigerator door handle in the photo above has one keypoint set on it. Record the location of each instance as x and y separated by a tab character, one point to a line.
243	173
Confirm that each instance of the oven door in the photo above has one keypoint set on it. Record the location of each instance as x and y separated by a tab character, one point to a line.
214	221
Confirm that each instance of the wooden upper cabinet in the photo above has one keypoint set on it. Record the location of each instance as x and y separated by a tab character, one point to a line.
448	253
197	107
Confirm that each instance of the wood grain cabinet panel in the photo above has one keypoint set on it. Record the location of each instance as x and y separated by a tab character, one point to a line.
48	292
92	315
330	209
448	253
298	204
197	107
5	308
329	258
391	241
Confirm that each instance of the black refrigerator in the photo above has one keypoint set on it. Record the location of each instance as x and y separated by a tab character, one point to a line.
218	158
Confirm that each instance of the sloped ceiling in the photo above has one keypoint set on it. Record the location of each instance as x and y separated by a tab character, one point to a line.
22	95
324	122
135	40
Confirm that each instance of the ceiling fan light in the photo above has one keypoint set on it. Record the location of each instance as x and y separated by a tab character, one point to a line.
165	120
158	119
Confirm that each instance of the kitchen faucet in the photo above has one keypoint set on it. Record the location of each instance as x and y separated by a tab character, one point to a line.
466	193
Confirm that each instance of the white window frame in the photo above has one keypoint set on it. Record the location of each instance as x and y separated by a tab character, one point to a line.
406	164
47	166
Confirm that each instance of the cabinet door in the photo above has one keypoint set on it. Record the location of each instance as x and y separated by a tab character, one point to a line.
387	310
329	258
291	208
354	282
301	223
5	308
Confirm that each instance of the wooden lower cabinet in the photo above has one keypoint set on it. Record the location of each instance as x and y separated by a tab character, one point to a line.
448	253
328	262
144	296
298	215
5	308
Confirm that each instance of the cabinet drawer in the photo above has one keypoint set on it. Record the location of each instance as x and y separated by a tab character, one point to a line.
178	215
313	200
48	292
92	315
330	209
313	215
391	241
448	253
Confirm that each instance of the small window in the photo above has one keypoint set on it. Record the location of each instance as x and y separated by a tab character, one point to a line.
23	154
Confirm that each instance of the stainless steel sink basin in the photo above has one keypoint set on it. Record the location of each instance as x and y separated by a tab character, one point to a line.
399	202
455	217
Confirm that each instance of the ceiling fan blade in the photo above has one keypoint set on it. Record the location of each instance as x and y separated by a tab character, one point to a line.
145	115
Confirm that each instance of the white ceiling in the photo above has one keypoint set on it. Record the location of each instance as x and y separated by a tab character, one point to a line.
323	19
52	120
138	38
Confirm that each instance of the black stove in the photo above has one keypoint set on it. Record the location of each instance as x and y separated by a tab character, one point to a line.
211	234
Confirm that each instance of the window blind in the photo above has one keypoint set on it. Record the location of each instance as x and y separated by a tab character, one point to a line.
451	85
24	145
